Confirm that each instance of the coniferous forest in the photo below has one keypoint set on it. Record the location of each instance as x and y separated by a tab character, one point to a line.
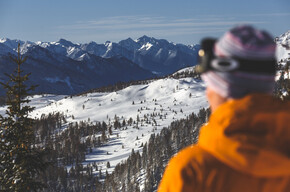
68	149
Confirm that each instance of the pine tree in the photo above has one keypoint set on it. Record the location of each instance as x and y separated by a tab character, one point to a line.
21	161
282	89
108	164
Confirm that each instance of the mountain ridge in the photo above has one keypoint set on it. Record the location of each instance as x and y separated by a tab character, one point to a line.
60	67
127	48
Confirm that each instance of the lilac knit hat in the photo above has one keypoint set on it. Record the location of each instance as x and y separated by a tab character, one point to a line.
248	44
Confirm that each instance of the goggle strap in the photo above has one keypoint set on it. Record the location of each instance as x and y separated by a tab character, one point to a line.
257	66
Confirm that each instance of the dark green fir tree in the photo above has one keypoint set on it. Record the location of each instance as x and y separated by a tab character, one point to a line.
21	160
283	83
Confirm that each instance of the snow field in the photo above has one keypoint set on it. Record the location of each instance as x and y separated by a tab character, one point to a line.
151	106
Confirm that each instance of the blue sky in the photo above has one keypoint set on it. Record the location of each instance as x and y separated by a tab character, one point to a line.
179	21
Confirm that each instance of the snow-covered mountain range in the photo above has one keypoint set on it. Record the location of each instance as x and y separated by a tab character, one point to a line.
156	55
64	67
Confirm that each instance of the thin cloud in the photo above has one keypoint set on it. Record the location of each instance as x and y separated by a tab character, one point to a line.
271	14
134	22
117	28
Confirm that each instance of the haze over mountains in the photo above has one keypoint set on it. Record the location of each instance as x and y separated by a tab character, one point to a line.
64	67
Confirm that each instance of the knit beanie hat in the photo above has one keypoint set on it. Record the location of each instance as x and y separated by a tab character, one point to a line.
254	51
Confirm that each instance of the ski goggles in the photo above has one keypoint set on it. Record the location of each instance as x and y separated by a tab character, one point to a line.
209	62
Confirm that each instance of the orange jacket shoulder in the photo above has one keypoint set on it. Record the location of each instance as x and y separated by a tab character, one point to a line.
184	170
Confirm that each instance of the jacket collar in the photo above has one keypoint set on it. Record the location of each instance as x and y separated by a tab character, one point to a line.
251	135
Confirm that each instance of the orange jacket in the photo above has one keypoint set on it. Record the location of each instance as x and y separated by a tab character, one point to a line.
244	147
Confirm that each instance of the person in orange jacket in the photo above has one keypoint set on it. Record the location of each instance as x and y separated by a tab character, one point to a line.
245	146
